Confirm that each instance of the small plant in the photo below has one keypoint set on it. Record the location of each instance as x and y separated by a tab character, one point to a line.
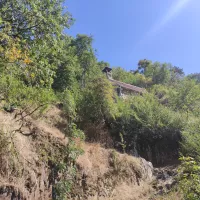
122	143
189	178
114	159
62	164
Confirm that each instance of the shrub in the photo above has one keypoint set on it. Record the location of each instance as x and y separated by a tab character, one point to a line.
14	92
189	178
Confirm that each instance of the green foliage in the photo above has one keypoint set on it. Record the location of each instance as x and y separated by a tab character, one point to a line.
14	92
68	70
76	133
38	60
97	101
69	104
191	138
61	160
34	20
122	75
85	53
189	178
130	77
38	27
148	113
148	74
148	127
162	93
151	114
186	97
103	64
160	73
189	170
66	165
195	76
122	143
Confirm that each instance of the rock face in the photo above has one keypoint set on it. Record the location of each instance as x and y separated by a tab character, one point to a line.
146	169
160	151
164	179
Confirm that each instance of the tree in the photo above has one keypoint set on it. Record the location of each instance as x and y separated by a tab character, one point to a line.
143	66
97	102
160	73
34	19
122	75
68	72
195	76
85	54
37	26
103	64
186	97
176	74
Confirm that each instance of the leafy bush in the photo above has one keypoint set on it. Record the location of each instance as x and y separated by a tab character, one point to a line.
186	97
189	178
15	92
65	164
146	113
191	139
97	102
148	127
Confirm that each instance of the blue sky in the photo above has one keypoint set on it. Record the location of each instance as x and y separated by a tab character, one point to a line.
126	31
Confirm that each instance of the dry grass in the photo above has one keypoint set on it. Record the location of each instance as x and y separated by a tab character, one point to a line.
21	170
94	161
125	165
109	175
13	153
103	174
98	133
97	161
54	117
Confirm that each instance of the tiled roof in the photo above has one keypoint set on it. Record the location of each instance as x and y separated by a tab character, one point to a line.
128	86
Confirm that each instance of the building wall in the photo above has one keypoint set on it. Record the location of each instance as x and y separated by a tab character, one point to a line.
124	93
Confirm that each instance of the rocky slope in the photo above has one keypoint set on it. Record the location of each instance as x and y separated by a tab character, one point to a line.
26	172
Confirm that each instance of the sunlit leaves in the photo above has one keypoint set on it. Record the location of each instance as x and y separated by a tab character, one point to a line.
189	178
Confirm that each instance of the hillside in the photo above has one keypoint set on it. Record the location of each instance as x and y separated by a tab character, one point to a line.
68	131
27	170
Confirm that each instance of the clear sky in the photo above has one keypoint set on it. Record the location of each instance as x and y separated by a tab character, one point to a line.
126	31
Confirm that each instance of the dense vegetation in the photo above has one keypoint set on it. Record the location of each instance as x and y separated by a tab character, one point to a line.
41	65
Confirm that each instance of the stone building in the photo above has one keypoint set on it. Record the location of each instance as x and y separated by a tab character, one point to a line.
122	89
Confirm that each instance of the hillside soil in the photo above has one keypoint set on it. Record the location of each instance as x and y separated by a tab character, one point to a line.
103	174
